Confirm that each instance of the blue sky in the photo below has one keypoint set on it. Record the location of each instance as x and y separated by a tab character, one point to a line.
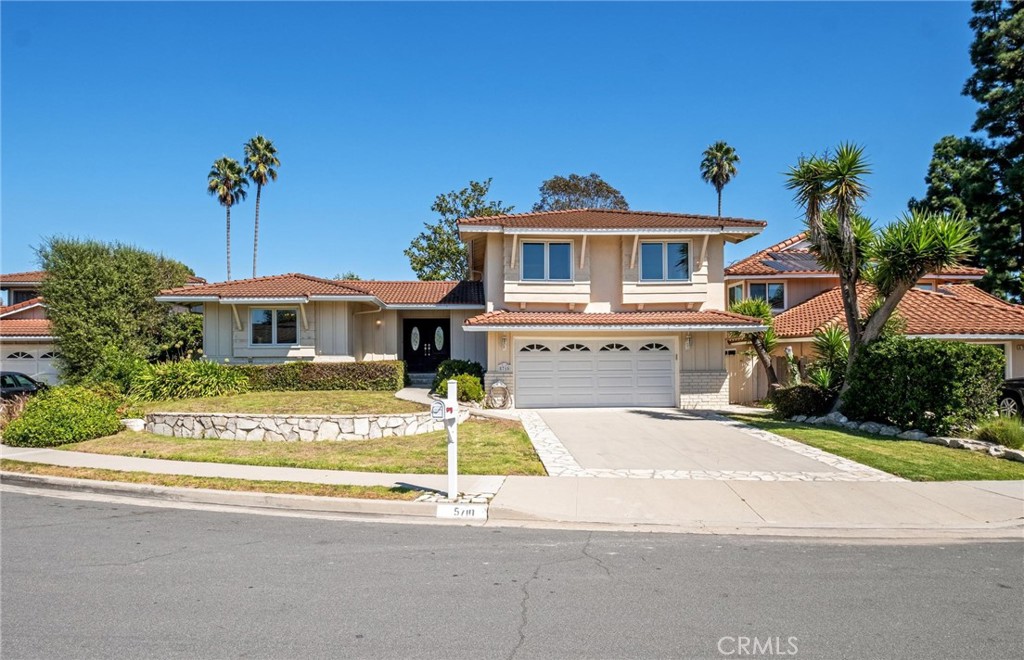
112	114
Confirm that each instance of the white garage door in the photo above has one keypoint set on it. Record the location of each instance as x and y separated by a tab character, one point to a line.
594	373
35	360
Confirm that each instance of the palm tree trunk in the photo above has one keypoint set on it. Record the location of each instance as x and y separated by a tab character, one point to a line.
229	241
719	202
766	362
256	232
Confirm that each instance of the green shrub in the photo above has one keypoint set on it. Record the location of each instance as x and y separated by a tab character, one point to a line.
385	376
469	388
452	368
805	399
62	415
187	379
939	387
116	368
1004	431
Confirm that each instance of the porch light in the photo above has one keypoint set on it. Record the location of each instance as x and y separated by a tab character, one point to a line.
504	342
689	341
379	322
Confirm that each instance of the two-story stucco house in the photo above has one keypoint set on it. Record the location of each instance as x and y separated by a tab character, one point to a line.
565	308
805	297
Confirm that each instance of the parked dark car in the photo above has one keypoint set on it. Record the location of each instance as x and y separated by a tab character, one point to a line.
13	384
1011	398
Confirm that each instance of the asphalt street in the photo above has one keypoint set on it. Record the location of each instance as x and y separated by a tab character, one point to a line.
84	579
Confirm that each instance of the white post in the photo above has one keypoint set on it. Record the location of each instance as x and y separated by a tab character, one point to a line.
452	423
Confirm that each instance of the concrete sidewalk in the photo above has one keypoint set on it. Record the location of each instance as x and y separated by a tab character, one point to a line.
438	482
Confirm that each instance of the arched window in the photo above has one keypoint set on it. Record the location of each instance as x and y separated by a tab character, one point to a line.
615	348
49	355
575	348
654	346
535	348
19	355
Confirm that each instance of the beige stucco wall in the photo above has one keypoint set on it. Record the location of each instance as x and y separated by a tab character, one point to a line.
798	290
517	291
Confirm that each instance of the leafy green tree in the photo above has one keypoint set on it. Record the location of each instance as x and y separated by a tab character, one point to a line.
437	253
226	181
892	259
763	342
260	163
718	167
100	298
997	84
561	193
348	275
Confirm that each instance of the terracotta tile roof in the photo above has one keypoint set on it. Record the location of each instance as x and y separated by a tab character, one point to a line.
22	305
297	285
37	276
513	319
783	259
951	311
609	219
422	293
24	328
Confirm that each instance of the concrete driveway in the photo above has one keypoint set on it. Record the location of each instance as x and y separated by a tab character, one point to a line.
665	439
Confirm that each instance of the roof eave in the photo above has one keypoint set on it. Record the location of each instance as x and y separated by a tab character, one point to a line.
611	231
659	327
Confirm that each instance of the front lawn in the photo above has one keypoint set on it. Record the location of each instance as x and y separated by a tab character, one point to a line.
485	447
212	483
320	402
917	461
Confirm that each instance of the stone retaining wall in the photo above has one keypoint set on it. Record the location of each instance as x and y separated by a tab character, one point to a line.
288	428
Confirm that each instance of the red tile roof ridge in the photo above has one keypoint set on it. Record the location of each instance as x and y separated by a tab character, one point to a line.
995	304
23	304
665	214
197	289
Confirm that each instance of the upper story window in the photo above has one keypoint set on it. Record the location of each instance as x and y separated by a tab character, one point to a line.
271	327
664	261
773	292
547	261
22	296
735	294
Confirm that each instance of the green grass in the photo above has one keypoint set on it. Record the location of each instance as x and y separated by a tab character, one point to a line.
213	483
321	402
917	461
485	447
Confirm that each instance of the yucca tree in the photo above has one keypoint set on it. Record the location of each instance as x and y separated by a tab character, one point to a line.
719	167
763	342
260	163
226	181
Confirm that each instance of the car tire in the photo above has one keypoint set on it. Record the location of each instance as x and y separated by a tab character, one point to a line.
1009	406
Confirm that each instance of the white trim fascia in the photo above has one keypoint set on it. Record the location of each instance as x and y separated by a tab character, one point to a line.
956	278
10	338
784	276
428	306
1003	337
187	299
22	309
264	301
6	284
617	328
627	231
343	298
485	229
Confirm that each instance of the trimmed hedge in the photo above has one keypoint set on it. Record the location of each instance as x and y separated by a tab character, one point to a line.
940	387
451	368
469	388
187	379
384	376
1004	431
62	415
804	399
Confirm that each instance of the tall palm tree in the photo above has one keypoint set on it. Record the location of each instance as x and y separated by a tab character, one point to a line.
260	161
226	181
719	167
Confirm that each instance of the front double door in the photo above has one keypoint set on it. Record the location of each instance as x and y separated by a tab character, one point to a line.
426	343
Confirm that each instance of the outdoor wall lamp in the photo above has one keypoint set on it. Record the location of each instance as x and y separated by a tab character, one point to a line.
379	322
504	342
688	344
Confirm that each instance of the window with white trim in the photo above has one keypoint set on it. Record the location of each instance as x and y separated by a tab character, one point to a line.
575	348
615	348
654	346
735	294
667	261
274	327
535	348
548	261
773	292
19	355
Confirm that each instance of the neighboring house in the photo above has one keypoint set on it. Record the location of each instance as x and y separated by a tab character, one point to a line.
806	298
566	308
27	344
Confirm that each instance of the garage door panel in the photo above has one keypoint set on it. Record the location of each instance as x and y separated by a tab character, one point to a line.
595	378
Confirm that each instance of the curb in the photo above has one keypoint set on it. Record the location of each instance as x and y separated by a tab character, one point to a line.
251	499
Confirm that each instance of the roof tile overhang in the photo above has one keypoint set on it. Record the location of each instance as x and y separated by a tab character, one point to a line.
782	260
22	306
611	221
710	320
36	277
296	288
29	329
953	310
